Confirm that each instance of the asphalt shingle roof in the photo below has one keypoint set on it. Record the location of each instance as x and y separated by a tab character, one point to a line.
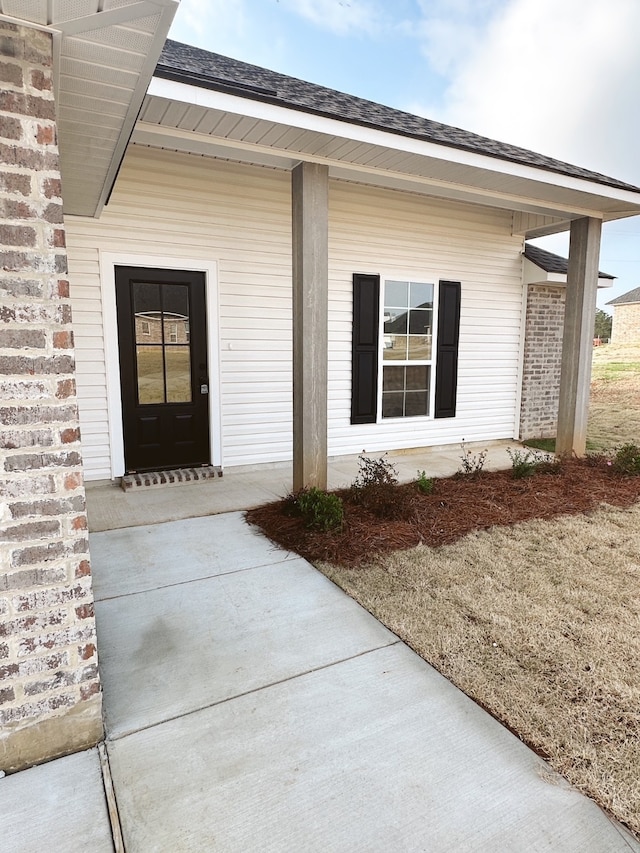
199	67
630	296
549	262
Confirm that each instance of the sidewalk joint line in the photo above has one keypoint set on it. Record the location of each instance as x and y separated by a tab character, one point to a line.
196	580
122	735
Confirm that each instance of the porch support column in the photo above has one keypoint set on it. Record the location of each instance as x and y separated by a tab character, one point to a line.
310	184
577	344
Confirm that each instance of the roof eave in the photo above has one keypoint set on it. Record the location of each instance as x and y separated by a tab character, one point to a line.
452	174
103	63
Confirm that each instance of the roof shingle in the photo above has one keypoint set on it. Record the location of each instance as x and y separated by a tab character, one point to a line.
549	262
199	67
630	296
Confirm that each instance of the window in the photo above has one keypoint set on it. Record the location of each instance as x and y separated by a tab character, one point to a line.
146	327
398	363
407	347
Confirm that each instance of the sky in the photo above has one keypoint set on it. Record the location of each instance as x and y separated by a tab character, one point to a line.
560	77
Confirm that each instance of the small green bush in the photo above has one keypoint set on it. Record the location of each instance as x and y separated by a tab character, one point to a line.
471	463
425	484
319	510
525	463
626	460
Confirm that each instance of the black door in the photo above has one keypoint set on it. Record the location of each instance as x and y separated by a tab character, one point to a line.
162	336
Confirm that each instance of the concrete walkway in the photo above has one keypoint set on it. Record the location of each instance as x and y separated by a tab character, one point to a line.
252	706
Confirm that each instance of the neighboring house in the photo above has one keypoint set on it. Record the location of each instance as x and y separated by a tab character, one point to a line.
350	276
626	318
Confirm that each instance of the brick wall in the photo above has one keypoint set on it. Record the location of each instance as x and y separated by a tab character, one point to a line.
542	361
626	323
49	687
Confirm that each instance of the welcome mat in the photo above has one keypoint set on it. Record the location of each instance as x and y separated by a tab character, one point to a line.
169	478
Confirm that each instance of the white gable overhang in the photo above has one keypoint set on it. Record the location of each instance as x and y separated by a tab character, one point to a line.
533	274
105	52
183	117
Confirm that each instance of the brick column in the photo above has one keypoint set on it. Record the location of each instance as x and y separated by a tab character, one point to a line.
542	361
50	701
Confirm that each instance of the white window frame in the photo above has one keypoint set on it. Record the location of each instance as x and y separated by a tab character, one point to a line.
419	278
108	263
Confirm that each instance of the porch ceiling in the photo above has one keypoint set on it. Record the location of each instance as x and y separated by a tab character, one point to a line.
105	52
181	117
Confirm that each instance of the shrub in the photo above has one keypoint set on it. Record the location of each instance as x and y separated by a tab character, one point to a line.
376	488
425	484
626	459
319	510
525	463
471	463
375	472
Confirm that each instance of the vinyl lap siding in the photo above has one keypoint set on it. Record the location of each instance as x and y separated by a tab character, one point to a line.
404	236
176	205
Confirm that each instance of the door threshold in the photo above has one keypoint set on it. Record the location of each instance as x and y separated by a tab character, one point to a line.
175	477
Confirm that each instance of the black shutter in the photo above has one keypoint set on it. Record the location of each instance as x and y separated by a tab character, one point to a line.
364	369
447	350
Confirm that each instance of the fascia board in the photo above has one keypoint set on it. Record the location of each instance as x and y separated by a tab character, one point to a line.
241	106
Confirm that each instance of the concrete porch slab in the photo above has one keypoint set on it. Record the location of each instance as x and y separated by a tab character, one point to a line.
135	559
59	807
174	650
376	753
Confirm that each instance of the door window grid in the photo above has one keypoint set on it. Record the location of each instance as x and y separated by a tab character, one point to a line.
163	363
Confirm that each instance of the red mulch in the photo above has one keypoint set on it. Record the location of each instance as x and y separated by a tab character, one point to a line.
457	506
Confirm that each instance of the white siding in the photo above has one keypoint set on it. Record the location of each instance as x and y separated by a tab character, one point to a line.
181	206
404	235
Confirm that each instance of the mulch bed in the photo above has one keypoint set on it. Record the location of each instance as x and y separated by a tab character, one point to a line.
457	506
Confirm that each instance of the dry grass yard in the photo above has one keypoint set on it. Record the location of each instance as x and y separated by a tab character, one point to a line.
614	412
540	624
537	620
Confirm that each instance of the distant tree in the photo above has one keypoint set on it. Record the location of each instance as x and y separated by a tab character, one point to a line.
603	324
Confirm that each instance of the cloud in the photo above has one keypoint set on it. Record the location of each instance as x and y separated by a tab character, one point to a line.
341	17
211	22
560	78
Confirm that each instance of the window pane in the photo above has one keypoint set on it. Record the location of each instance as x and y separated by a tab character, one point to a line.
175	299
419	348
420	322
395	348
147	312
393	378
178	373
395	321
415	403
150	375
417	378
392	404
420	295
396	294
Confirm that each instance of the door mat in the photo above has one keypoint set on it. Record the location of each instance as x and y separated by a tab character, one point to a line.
149	479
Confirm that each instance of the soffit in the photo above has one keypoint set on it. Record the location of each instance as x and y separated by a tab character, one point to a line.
282	138
105	52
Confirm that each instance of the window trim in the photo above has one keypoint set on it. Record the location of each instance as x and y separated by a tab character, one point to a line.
419	278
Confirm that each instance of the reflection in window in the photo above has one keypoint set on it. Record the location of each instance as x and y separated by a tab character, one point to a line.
407	348
163	354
